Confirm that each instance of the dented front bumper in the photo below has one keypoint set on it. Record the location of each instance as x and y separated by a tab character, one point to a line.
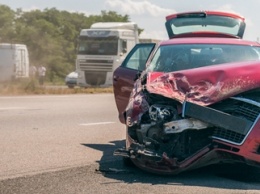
221	147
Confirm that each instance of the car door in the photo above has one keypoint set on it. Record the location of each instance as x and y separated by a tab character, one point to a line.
125	75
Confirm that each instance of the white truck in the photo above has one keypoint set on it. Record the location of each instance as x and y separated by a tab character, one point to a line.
14	61
101	49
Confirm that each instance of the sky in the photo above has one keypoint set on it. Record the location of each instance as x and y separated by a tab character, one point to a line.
150	15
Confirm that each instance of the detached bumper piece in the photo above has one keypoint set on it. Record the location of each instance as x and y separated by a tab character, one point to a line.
217	118
229	128
122	152
137	151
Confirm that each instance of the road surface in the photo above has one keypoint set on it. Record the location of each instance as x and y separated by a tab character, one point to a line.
64	144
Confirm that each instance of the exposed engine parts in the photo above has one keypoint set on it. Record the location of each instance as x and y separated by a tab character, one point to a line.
160	113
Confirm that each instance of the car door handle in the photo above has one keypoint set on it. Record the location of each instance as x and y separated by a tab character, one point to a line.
115	78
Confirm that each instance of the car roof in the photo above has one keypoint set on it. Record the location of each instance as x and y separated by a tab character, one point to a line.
206	40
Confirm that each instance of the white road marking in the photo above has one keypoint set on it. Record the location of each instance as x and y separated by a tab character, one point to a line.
12	108
55	96
100	123
35	96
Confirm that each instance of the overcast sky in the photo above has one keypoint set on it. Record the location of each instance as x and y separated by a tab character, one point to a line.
150	15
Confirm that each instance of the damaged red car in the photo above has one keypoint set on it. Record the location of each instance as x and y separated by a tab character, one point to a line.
192	100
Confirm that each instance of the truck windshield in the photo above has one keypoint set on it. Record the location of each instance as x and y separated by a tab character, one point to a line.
98	45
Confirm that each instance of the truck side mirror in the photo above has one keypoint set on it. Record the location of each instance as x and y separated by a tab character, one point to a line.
124	46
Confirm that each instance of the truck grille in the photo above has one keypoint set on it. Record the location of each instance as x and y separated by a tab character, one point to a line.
96	65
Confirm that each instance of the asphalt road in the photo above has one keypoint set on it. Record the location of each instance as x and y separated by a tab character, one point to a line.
64	144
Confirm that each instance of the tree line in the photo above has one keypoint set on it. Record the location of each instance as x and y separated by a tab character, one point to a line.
51	35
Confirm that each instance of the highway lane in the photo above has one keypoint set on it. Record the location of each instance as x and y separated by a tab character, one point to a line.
41	133
64	144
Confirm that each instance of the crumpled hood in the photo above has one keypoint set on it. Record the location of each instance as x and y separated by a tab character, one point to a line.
206	85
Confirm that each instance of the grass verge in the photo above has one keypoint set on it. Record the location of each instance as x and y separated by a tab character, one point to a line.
30	87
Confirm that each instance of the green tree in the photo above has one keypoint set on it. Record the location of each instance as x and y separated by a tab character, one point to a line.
51	35
7	25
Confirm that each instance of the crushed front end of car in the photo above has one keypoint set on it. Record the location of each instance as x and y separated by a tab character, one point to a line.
187	119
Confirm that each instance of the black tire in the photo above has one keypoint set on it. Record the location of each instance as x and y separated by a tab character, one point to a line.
71	86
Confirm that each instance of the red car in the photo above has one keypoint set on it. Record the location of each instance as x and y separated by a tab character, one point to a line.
192	100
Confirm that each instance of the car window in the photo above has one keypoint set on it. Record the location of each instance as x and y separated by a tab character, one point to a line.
180	57
137	58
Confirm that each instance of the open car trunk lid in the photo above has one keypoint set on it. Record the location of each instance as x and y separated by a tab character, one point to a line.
205	24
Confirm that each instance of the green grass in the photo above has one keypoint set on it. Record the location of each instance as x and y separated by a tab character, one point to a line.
27	87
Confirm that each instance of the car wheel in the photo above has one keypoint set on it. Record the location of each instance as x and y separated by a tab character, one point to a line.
71	86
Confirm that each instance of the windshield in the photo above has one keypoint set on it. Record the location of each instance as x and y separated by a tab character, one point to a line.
180	57
98	45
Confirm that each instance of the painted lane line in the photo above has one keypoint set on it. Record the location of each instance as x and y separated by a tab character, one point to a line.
100	123
12	108
54	96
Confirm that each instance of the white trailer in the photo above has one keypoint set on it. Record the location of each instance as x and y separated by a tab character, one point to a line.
101	49
14	61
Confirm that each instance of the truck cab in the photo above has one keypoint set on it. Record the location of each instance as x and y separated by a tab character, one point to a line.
101	49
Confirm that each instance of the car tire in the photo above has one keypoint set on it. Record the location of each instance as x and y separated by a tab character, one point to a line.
71	86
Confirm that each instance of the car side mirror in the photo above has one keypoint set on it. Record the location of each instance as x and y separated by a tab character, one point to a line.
137	75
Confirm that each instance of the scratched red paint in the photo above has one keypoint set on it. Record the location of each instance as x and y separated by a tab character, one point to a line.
206	85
